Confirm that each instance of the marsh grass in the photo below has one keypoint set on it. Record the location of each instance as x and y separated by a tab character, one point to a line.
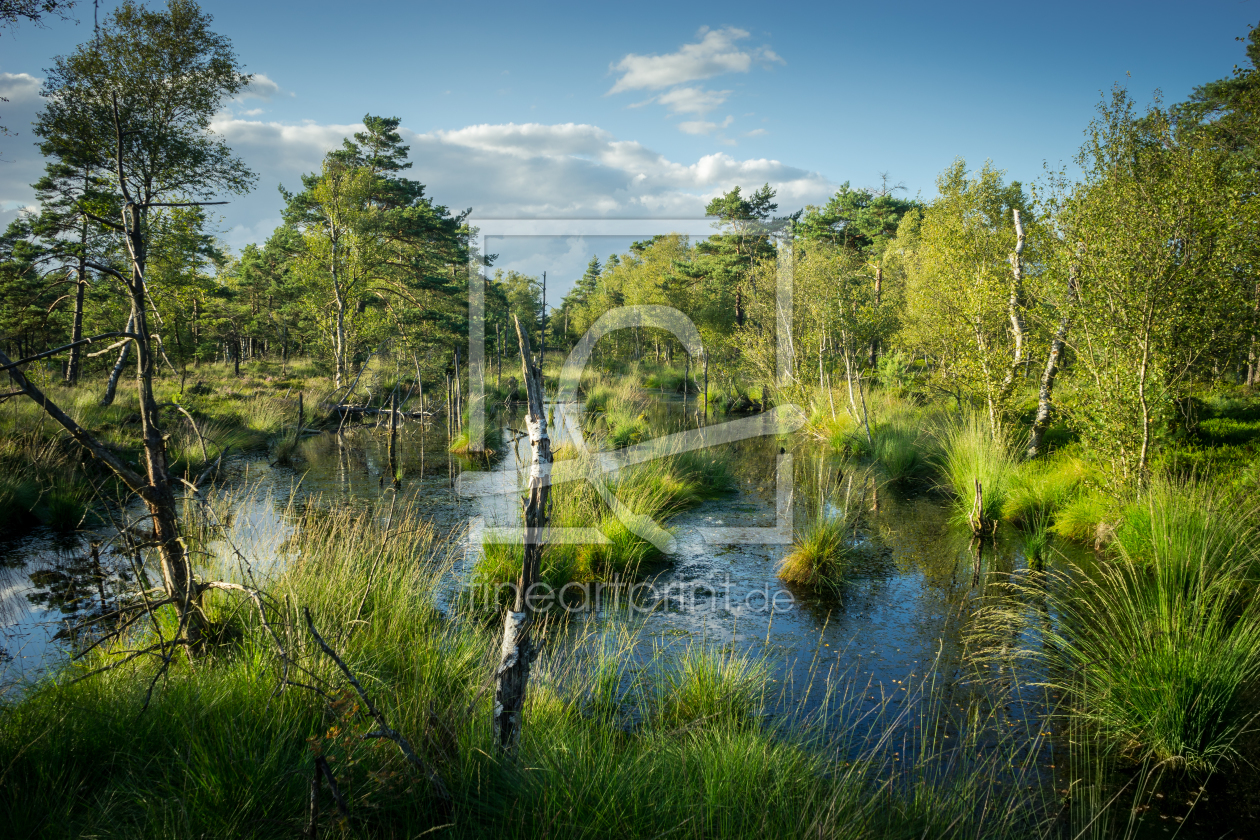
656	490
825	550
1188	522
822	553
621	737
1088	518
1036	494
42	482
460	444
49	480
899	449
899	443
710	685
1158	647
665	379
971	450
625	415
1039	488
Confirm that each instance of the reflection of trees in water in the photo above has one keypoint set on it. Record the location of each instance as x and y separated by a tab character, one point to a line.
79	582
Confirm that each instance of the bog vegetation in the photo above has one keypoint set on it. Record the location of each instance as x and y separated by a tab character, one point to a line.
1071	363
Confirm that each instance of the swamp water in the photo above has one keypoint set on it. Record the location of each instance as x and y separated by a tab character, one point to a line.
890	644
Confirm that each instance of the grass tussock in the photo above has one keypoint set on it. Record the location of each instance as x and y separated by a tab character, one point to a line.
1038	489
972	450
714	686
822	553
1158	647
652	492
1088	518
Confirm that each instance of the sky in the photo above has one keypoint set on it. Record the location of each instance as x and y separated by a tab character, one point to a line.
648	110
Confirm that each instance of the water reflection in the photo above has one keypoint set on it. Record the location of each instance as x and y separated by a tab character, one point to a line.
908	611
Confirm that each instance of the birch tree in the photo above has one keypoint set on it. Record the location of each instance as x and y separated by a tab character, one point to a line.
340	255
1157	218
964	291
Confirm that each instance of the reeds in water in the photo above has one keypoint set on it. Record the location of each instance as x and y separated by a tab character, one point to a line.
974	454
1158	647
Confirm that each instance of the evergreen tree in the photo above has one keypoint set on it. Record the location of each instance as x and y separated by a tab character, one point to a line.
723	262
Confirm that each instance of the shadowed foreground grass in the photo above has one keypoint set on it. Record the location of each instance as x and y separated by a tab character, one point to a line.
619	740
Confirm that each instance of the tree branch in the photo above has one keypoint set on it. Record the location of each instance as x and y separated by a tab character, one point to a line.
104	269
102	221
54	352
385	731
181	203
134	481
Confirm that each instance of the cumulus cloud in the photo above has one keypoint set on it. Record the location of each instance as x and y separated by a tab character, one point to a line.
19	86
502	171
523	170
714	54
262	87
20	162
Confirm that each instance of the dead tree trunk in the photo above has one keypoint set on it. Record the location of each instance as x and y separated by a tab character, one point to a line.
1253	370
459	397
706	386
518	650
76	330
158	498
159	494
977	519
111	385
393	437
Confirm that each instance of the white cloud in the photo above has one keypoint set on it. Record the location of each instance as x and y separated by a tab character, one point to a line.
715	53
703	126
756	132
506	170
524	170
18	87
20	162
262	87
692	100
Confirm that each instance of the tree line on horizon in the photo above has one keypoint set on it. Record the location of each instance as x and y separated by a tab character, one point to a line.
1111	296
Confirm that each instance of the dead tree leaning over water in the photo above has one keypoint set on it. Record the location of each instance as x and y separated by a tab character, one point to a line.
518	649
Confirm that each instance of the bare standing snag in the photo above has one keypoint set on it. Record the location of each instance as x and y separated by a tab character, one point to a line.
518	650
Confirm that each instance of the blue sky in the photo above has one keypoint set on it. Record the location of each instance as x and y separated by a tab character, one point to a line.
648	109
